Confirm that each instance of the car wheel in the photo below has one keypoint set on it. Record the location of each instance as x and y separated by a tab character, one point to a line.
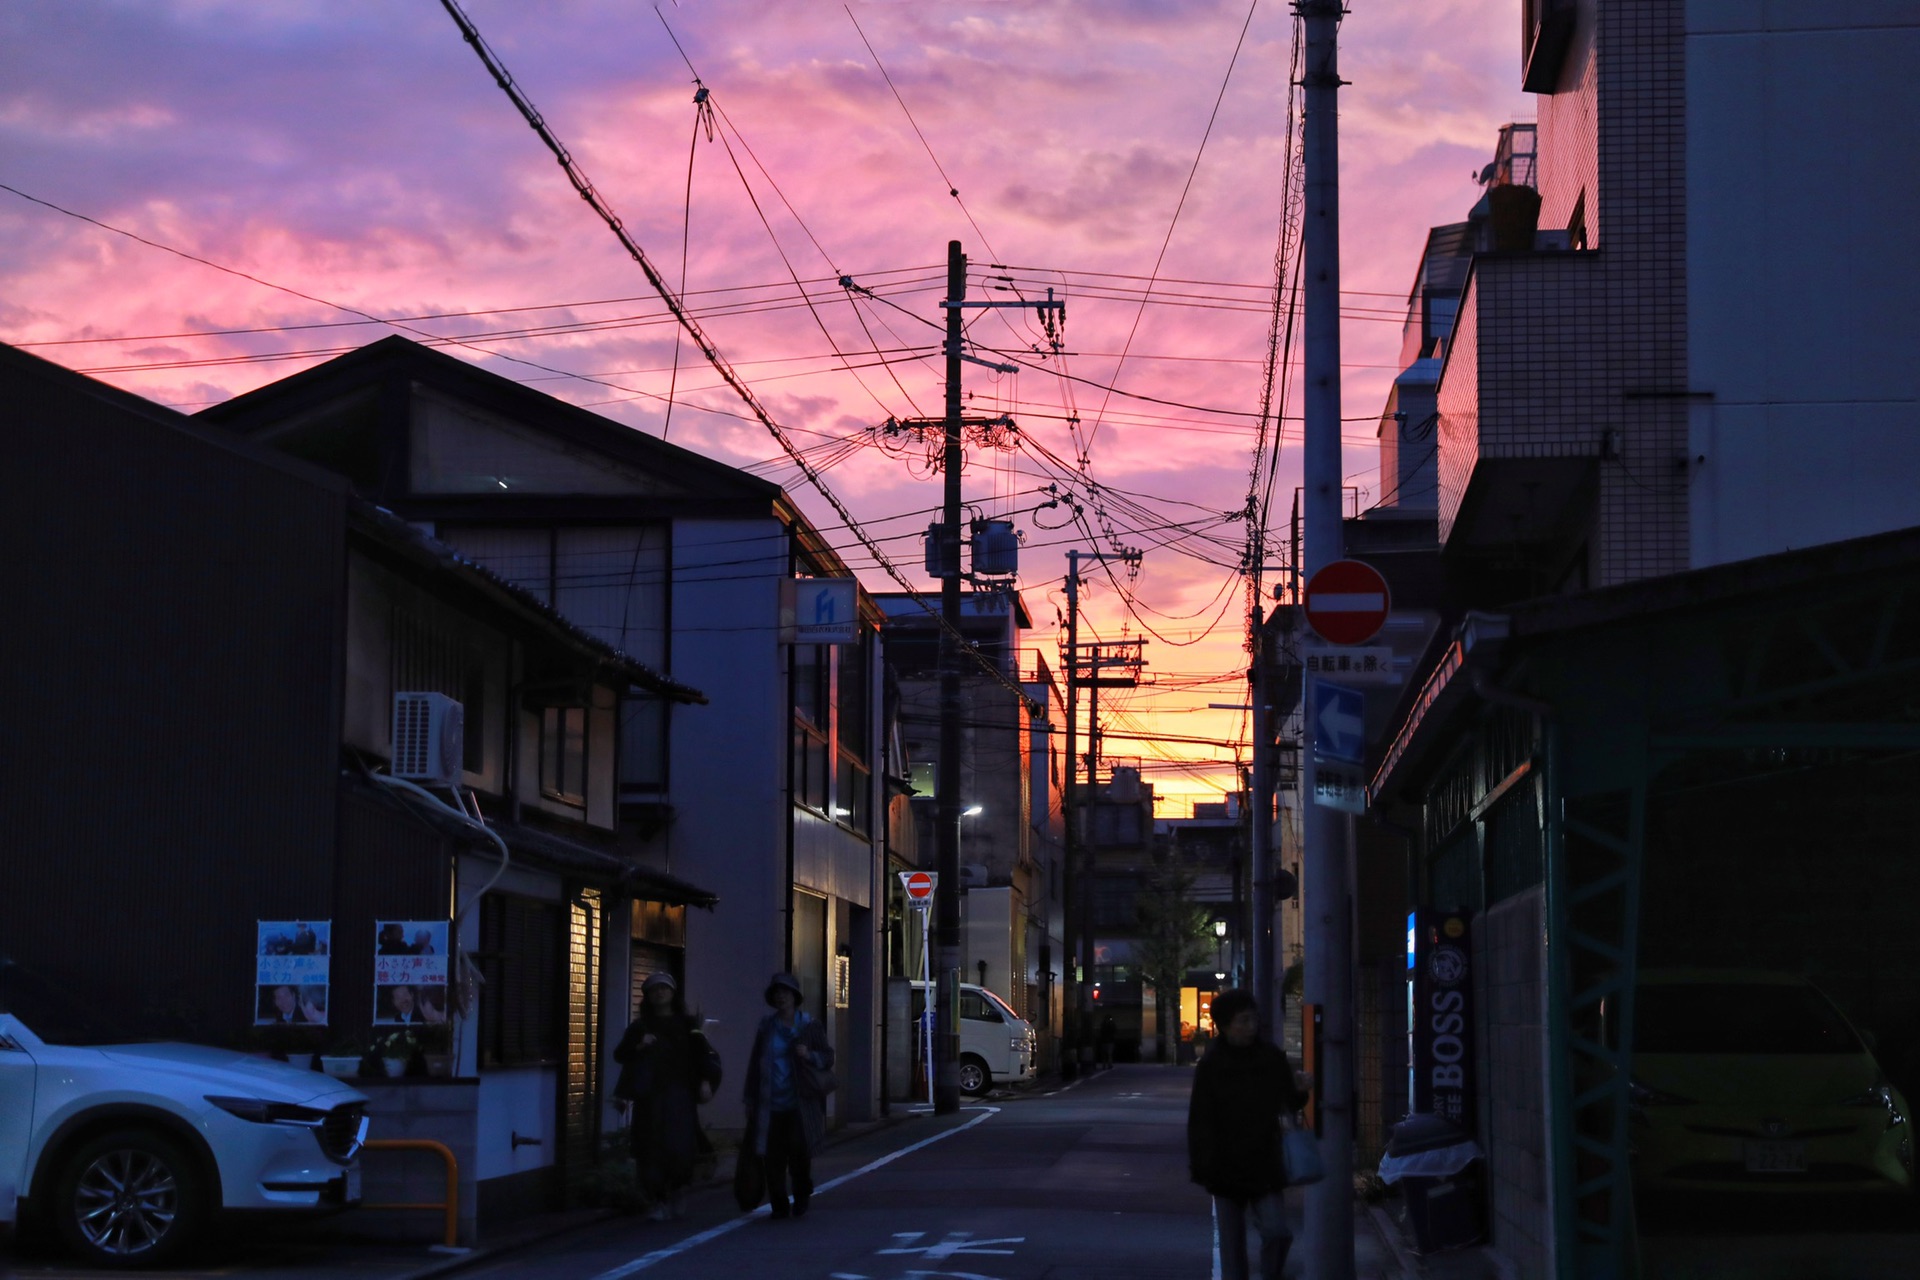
975	1079
129	1198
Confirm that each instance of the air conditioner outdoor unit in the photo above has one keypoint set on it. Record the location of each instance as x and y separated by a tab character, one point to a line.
429	741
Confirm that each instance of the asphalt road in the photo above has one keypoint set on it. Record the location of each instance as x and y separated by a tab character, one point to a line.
1089	1182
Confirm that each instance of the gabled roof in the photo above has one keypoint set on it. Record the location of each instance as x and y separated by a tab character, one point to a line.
400	363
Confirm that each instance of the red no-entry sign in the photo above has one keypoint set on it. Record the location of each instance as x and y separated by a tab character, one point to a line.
919	886
1346	602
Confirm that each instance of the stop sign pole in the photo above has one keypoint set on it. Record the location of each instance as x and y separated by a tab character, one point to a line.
1326	834
919	886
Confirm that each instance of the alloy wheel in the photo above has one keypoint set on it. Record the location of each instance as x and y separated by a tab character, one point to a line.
125	1202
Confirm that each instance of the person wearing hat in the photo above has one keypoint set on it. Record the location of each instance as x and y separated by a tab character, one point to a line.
667	1068
788	1077
1243	1091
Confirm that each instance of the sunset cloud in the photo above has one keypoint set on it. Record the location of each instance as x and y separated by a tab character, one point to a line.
356	151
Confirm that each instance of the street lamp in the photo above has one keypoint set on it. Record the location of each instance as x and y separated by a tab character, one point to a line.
1219	946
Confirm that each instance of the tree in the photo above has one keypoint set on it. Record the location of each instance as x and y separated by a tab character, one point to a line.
1175	934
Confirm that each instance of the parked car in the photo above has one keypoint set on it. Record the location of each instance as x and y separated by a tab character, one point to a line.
1755	1081
996	1044
130	1150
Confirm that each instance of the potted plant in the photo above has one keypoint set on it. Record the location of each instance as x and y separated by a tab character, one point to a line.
396	1049
342	1058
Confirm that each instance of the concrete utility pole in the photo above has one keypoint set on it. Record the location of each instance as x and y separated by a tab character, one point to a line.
946	893
1266	988
1328	835
948	802
1079	879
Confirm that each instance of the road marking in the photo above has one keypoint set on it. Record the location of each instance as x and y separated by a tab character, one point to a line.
956	1242
733	1224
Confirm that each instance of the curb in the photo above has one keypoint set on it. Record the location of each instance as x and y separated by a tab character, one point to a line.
1410	1268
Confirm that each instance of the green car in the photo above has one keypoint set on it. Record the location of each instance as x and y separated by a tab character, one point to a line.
1753	1081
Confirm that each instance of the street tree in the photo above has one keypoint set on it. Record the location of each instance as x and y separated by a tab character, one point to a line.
1175	934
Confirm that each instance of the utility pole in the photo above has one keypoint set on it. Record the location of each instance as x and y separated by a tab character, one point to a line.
1078	942
1266	988
946	893
1328	835
948	802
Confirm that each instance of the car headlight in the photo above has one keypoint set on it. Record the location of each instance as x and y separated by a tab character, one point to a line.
1878	1096
1019	1044
1640	1097
260	1111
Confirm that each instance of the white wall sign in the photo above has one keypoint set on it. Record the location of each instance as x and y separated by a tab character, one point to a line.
819	611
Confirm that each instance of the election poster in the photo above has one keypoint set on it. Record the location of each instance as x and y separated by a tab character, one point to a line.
410	973
290	972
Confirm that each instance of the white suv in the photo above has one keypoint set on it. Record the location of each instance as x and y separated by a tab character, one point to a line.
128	1150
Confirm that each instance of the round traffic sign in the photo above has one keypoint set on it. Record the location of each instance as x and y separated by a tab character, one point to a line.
919	886
1346	602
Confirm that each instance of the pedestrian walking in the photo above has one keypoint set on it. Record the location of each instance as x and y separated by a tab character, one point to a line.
788	1078
667	1069
1244	1092
1103	1039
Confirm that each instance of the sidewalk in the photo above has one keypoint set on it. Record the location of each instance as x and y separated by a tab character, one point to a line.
1381	1228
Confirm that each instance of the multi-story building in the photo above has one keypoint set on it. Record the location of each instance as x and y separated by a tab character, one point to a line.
1010	768
1676	424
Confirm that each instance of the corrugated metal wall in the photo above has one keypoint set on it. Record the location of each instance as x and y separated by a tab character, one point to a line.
170	665
392	866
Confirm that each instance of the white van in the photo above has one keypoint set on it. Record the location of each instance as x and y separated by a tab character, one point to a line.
996	1044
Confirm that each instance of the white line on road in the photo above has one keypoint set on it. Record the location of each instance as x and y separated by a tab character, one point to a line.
714	1233
1215	1206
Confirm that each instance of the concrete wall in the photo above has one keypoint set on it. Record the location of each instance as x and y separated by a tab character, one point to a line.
1802	123
446	1112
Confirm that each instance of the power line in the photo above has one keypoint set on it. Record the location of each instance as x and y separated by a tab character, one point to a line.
587	192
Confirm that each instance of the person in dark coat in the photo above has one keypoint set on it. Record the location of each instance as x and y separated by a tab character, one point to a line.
1242	1090
667	1068
786	1103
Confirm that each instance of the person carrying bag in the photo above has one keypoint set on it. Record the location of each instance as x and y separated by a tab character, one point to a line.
789	1075
1245	1094
667	1069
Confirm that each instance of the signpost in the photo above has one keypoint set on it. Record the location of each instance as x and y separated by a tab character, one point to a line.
1346	602
919	887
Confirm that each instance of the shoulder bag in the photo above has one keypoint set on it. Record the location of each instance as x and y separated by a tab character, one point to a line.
1299	1153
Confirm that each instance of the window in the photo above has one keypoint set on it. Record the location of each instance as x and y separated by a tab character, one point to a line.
563	754
810	671
851	694
975	1008
520	1003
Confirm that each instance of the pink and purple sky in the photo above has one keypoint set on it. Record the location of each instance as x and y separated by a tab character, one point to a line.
357	152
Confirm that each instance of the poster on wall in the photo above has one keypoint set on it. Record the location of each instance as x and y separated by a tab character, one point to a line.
410	972
290	972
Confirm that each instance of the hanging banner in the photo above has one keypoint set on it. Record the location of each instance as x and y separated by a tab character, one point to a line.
290	972
410	973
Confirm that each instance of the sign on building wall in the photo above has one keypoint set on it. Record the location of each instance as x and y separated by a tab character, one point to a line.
819	611
410	972
290	972
1440	1015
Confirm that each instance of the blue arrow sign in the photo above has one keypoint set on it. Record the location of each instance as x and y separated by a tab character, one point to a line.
1339	723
